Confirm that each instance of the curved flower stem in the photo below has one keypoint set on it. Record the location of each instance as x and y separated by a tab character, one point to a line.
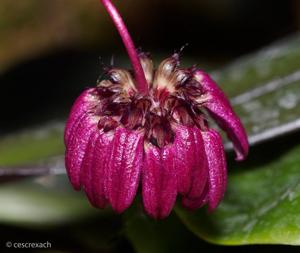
141	82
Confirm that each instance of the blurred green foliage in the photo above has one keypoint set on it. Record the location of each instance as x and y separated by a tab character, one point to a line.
31	146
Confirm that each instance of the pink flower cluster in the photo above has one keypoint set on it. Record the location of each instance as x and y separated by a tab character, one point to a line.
117	140
147	130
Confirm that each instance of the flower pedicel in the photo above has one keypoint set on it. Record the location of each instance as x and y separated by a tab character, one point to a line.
146	129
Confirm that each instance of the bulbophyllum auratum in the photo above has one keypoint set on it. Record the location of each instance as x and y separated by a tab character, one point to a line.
145	129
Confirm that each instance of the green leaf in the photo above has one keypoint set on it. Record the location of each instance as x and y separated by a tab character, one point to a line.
32	146
44	201
265	89
275	61
271	110
261	205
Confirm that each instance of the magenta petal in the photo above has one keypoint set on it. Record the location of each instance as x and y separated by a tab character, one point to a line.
200	172
216	166
76	148
159	182
220	109
99	171
185	158
88	162
93	170
124	167
196	203
191	162
83	104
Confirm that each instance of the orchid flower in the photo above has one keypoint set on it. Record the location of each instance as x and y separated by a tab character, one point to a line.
146	130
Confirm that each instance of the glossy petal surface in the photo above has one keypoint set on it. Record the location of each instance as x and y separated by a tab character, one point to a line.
159	182
99	169
124	167
76	149
93	170
216	166
220	109
82	105
196	203
191	162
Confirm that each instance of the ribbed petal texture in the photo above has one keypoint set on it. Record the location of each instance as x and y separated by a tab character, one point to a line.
196	203
99	168
220	109
77	146
86	176
159	181
123	168
191	162
216	166
93	170
83	104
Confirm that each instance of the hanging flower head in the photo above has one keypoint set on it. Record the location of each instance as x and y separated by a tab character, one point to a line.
146	129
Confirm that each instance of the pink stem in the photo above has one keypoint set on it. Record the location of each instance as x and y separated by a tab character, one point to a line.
140	78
